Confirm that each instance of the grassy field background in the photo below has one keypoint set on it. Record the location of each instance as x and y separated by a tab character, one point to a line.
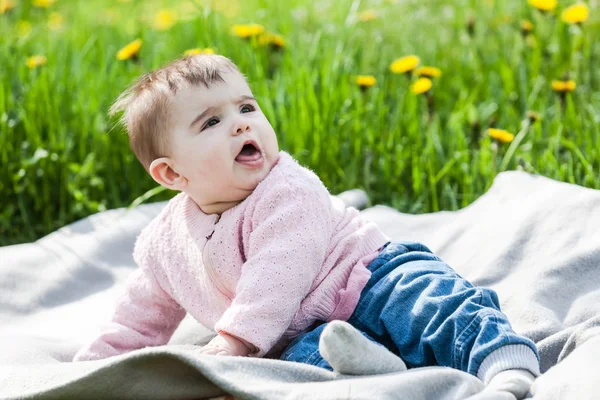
61	158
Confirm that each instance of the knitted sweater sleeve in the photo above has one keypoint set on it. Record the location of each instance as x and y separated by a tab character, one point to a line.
286	249
144	314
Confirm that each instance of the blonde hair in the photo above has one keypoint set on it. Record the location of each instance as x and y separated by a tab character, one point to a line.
145	103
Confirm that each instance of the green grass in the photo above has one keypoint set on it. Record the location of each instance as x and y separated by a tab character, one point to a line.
62	159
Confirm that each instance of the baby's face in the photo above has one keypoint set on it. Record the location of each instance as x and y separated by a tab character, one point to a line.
222	143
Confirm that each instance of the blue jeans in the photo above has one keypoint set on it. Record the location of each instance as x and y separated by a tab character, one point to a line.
420	309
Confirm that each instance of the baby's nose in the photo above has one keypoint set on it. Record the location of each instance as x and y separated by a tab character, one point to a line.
242	127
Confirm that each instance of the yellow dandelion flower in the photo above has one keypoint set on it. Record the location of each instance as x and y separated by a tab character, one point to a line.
543	5
272	39
421	86
55	21
533	116
366	81
36	61
368	15
526	26
164	20
404	64
575	14
278	41
43	3
6	5
563	86
248	31
129	51
24	28
501	135
429	72
193	52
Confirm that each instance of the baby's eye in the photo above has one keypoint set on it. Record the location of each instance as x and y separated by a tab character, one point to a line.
246	108
210	122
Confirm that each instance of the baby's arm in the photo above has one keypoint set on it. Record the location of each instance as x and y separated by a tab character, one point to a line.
144	315
287	248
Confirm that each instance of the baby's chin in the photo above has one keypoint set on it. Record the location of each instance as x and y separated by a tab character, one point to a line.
249	187
249	179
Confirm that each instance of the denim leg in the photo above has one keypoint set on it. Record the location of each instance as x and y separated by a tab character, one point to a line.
422	310
305	349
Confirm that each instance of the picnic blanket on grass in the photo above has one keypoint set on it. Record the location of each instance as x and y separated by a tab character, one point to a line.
533	240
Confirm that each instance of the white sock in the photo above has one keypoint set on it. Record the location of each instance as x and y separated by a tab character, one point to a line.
350	353
514	381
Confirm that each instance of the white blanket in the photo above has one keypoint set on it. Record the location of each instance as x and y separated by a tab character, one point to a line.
534	240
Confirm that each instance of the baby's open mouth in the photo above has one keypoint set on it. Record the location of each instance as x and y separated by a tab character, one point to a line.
250	152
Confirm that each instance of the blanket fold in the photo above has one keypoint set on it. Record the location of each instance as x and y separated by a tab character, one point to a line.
532	239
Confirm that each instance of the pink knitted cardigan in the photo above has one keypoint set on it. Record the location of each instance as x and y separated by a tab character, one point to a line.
265	270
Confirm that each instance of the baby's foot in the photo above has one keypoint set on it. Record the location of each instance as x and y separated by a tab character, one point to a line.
351	353
514	381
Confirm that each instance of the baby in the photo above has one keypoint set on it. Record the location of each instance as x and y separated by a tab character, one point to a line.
255	247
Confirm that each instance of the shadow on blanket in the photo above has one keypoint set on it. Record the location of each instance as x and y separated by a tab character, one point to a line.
533	240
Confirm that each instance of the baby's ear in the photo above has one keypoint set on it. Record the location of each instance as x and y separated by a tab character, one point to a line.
162	171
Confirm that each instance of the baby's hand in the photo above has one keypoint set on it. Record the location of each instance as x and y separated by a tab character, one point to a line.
225	345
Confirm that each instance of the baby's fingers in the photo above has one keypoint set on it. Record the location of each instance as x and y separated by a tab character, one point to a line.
209	350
